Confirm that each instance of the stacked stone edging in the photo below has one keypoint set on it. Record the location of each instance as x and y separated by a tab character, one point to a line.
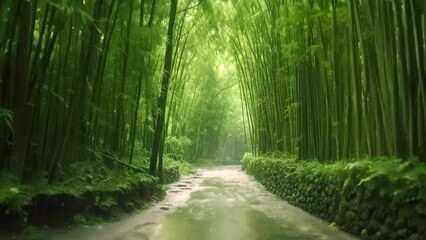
372	209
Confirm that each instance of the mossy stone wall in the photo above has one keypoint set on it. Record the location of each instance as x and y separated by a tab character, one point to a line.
358	198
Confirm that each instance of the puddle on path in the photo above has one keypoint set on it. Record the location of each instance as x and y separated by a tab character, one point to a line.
217	204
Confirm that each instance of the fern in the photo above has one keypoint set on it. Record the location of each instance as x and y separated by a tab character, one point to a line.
105	202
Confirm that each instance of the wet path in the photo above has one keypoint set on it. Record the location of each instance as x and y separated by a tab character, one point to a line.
220	203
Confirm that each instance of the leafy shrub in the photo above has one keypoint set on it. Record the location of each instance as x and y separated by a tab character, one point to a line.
183	167
88	191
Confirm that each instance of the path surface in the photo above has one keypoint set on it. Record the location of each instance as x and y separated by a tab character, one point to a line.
220	203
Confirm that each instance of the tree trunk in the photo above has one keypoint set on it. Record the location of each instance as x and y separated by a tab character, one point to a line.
20	108
164	87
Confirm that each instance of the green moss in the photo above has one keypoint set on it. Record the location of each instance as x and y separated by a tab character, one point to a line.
371	194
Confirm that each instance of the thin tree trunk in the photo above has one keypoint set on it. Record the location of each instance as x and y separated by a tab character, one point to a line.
164	89
20	125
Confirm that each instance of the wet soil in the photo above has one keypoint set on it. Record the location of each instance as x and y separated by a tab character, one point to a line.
218	203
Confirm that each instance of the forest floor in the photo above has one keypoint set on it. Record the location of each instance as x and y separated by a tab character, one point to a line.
215	203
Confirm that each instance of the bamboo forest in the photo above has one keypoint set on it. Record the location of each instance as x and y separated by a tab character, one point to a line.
213	119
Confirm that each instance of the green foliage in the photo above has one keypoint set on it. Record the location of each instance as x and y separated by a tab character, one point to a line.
80	177
6	117
104	201
141	155
371	194
183	167
31	232
176	146
96	176
80	219
13	195
326	58
68	9
88	67
92	177
396	176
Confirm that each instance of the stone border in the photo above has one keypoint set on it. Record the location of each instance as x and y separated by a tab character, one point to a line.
361	209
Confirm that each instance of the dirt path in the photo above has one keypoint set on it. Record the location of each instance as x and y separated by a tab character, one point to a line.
220	203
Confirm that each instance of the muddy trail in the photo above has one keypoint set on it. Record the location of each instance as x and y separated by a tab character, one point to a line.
218	203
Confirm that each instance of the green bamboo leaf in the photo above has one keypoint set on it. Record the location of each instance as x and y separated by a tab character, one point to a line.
59	4
6	116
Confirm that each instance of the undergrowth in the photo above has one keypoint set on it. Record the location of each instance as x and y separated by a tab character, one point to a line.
76	180
81	178
395	172
184	167
377	197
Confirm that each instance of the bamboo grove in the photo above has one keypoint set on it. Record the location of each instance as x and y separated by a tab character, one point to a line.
86	81
333	79
133	81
